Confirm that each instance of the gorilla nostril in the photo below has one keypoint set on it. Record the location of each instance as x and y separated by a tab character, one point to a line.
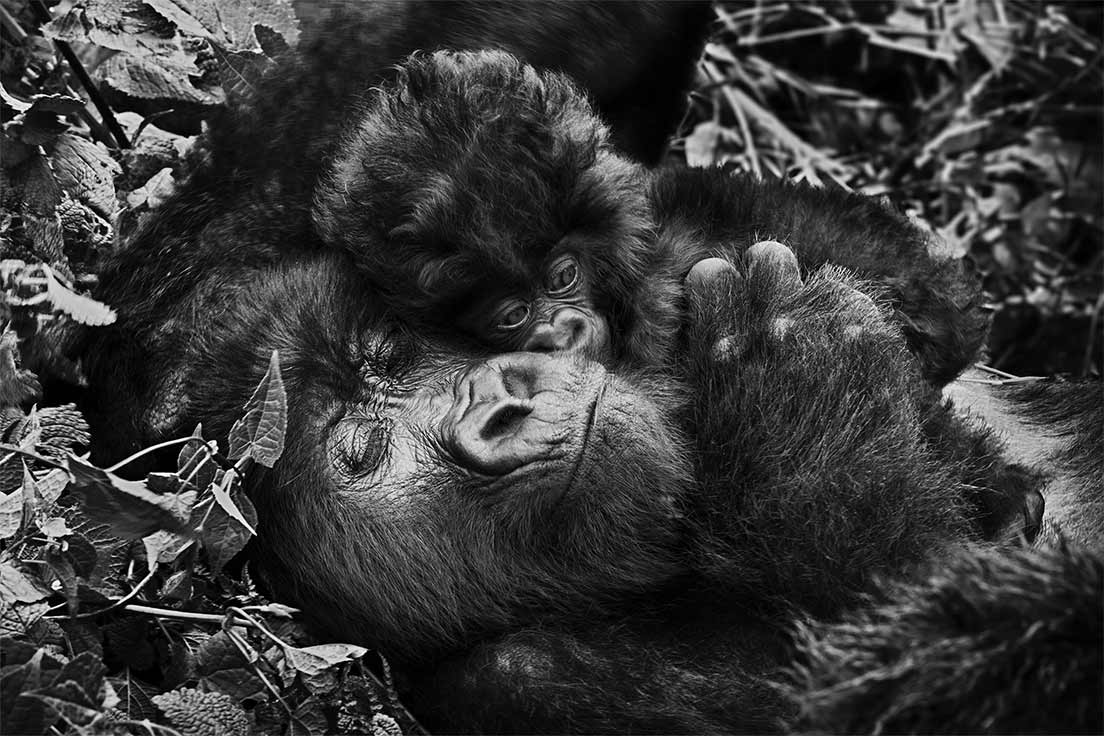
517	382
505	420
543	340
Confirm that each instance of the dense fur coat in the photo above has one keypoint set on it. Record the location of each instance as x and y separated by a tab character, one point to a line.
640	566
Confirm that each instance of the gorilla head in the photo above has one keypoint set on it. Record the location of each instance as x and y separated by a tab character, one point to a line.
429	495
480	194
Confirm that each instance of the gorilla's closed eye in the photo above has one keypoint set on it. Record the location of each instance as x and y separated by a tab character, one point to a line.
360	445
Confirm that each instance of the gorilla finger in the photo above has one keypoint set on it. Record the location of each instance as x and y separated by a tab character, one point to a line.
771	261
716	299
710	273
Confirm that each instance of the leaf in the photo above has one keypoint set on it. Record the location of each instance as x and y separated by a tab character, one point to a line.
224	535
178	586
180	16
316	659
81	553
231	24
55	527
196	712
259	434
154	192
30	433
41	194
65	574
11	513
272	42
168	483
128	507
37	122
15	587
701	145
196	464
164	547
134	697
221	665
150	78
309	718
87	172
81	309
240	71
51	484
222	496
17	386
124	25
17	619
86	671
239	19
20	714
68	703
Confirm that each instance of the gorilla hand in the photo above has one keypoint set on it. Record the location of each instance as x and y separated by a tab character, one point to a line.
803	411
773	282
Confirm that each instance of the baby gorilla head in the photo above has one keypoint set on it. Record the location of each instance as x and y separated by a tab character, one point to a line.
478	193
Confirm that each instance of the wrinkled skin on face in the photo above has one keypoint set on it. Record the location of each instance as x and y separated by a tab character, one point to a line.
556	312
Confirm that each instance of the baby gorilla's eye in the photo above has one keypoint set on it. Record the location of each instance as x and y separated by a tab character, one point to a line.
563	275
511	315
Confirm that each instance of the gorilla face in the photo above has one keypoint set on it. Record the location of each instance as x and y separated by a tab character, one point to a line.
425	495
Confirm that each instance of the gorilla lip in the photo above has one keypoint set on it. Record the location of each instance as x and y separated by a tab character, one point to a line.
592	420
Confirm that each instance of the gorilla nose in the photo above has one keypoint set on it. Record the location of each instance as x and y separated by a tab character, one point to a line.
491	431
568	330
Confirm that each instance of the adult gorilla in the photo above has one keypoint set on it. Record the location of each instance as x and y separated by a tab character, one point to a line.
542	545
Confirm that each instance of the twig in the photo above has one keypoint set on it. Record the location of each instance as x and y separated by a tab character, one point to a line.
242	649
995	371
81	74
211	618
11	25
260	627
217	456
115	604
4	447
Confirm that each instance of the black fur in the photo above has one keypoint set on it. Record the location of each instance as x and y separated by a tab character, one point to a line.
994	642
648	588
468	171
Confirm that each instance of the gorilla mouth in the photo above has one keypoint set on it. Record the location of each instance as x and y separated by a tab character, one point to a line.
592	421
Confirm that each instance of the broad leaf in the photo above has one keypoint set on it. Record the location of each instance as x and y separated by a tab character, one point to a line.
128	507
79	308
259	434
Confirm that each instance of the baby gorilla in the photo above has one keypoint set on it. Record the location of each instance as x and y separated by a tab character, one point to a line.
478	193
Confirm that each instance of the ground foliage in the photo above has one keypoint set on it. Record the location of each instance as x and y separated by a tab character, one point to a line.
124	606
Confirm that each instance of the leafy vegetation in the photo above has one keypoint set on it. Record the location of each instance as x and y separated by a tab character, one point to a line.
124	605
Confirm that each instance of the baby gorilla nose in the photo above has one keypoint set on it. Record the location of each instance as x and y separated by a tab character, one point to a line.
570	329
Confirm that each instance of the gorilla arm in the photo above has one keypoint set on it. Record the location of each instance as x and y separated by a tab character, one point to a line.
814	473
